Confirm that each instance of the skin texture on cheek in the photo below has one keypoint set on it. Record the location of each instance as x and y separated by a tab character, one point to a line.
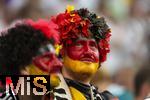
47	62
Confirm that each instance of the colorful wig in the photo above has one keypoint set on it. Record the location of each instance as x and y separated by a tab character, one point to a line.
20	43
76	23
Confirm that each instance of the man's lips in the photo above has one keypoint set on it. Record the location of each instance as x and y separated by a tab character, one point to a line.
88	58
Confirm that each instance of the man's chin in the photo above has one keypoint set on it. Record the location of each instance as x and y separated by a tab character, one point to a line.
81	67
82	76
84	72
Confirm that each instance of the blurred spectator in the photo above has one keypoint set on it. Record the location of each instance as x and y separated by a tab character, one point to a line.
122	83
142	83
125	77
120	91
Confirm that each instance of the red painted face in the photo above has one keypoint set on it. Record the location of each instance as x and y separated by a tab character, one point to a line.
84	50
47	62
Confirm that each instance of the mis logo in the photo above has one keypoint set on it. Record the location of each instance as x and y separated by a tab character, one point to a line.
27	85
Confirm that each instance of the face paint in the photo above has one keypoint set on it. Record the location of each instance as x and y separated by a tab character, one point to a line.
85	50
34	70
80	67
82	57
47	62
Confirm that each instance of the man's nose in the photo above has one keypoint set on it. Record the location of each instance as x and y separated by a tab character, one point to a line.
87	47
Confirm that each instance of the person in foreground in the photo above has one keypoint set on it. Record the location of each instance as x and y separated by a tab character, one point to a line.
26	48
84	38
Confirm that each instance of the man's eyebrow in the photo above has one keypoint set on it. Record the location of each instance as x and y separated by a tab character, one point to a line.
80	40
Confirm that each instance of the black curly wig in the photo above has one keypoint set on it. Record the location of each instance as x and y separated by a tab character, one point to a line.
17	47
98	26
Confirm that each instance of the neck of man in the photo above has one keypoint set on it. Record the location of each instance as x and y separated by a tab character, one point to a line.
82	78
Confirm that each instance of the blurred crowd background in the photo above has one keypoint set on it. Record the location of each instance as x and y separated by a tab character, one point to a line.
130	42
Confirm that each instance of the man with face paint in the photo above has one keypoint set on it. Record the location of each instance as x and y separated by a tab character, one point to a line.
26	48
84	37
81	59
45	61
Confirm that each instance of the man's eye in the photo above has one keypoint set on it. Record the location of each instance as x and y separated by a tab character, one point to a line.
79	45
93	45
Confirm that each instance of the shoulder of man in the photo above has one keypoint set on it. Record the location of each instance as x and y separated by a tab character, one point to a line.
105	95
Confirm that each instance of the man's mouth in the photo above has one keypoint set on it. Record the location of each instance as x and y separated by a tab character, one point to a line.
88	58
